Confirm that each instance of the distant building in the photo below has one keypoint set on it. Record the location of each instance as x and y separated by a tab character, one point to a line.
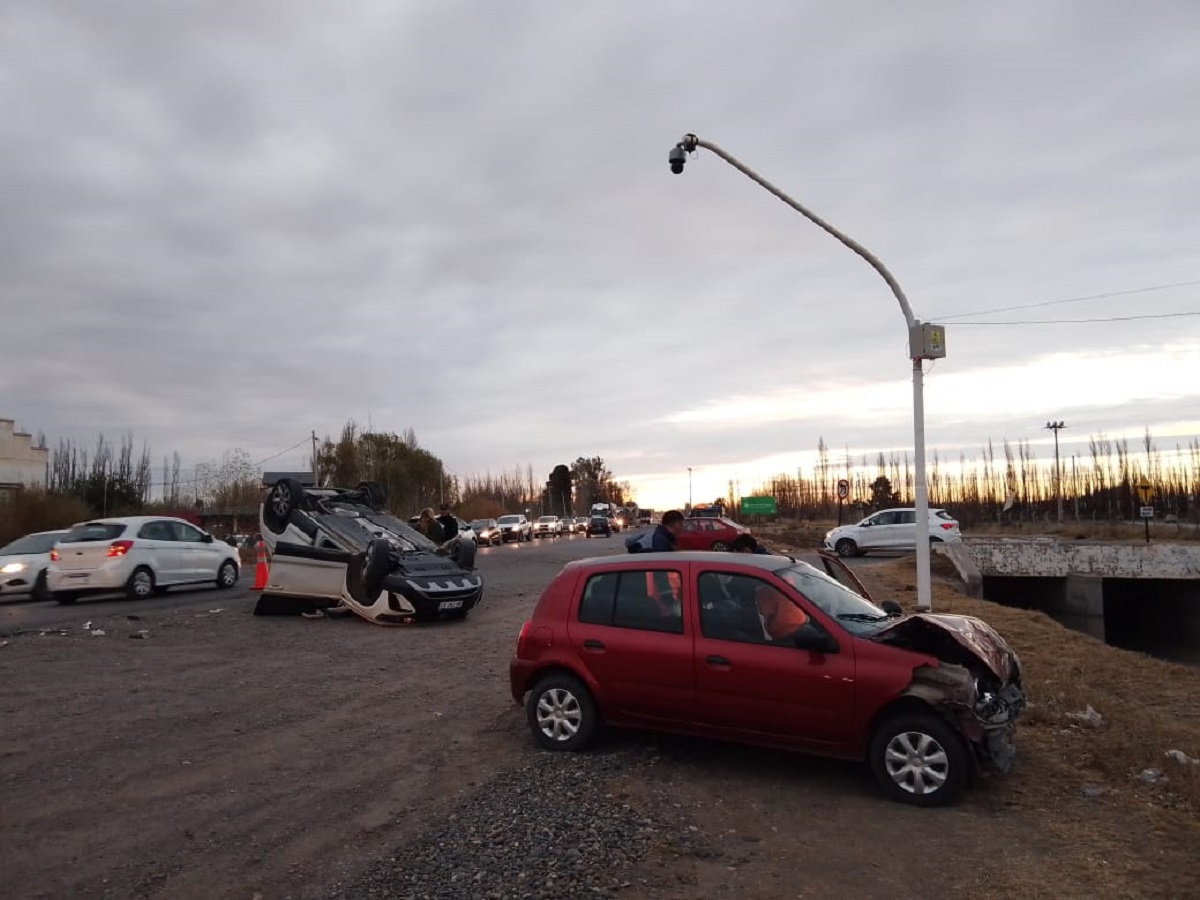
22	463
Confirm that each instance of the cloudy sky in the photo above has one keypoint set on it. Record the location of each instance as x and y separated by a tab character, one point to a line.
226	224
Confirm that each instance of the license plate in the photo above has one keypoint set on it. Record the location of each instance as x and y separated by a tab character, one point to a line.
450	604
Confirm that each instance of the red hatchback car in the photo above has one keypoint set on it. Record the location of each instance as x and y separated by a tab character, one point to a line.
708	533
767	650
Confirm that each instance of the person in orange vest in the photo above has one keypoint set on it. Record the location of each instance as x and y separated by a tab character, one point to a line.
781	617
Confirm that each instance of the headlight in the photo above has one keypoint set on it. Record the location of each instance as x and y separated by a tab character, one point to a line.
13	568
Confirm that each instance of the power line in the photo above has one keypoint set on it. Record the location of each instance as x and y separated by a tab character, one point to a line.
1082	321
1142	290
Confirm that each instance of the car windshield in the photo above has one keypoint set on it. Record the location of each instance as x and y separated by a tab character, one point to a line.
509	520
477	524
547	519
854	613
94	531
32	543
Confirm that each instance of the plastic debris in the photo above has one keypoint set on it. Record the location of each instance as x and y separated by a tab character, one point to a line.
3	644
219	609
1152	776
87	626
1182	758
98	632
141	635
1089	718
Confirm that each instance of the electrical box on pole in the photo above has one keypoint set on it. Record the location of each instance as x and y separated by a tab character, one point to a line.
926	341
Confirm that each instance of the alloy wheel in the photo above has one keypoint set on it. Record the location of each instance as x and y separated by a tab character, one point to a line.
559	714
916	762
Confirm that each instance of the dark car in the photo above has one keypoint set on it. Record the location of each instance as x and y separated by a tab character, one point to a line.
334	546
770	651
487	532
599	525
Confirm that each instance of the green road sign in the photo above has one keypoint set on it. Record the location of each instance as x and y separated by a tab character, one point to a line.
758	506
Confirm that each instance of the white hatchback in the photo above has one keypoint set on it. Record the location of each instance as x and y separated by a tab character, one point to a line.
891	529
140	555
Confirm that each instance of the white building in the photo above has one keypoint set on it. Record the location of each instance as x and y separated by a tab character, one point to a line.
22	463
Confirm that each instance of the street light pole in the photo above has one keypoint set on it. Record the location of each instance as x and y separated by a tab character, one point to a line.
925	341
689	468
1056	427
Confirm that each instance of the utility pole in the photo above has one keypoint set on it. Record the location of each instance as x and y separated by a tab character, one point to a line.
1056	427
316	481
689	468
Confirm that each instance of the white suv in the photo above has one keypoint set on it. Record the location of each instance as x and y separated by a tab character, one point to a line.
138	555
548	526
514	527
891	529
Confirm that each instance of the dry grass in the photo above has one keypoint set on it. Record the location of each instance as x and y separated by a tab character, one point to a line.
1143	838
1122	532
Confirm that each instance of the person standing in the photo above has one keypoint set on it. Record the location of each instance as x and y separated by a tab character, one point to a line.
429	526
448	522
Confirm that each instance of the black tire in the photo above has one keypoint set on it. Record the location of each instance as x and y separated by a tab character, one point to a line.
283	499
66	598
846	547
376	564
374	493
719	546
140	585
227	575
560	705
464	554
919	735
40	592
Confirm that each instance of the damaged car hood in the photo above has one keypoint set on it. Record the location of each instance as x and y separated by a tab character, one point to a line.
974	635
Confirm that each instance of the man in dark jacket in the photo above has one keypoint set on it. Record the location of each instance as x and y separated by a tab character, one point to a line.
448	522
667	532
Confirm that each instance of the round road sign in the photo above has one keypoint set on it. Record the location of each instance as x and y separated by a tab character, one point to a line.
843	489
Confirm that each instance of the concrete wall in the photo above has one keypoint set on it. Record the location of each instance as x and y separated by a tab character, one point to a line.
21	463
1050	558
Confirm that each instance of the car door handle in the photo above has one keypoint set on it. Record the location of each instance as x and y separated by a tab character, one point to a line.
593	645
716	661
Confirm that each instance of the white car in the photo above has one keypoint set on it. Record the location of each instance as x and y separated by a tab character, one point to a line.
548	526
891	529
23	565
514	527
140	555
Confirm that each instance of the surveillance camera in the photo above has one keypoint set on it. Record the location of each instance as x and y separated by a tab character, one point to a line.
676	158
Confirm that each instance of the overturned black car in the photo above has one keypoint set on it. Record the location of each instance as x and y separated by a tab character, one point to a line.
338	547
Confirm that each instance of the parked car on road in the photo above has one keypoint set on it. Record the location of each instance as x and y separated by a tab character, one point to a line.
140	555
23	565
548	526
891	529
515	527
339	546
487	532
599	525
708	533
766	650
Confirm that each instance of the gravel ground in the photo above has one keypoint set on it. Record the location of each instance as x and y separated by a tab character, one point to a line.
557	827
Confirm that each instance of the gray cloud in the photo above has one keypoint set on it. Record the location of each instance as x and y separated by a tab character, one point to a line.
227	224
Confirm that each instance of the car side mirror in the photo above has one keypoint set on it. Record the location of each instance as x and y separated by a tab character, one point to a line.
892	608
815	639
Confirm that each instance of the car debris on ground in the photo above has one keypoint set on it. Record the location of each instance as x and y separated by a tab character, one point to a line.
1088	718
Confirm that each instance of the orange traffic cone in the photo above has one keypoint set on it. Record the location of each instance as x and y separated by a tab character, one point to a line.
260	568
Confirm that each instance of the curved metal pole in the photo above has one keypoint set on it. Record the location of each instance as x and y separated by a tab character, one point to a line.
690	143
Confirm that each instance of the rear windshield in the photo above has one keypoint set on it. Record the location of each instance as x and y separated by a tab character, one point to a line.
94	531
32	543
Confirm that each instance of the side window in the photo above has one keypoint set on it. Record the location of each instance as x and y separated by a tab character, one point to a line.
908	517
885	518
185	532
746	609
641	599
691	525
155	531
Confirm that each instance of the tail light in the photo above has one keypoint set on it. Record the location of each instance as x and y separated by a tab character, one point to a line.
523	637
946	526
119	548
54	557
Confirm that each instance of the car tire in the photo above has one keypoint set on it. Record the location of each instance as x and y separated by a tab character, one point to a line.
719	546
846	548
66	598
377	562
282	500
464	554
922	737
375	494
40	592
140	585
561	713
227	575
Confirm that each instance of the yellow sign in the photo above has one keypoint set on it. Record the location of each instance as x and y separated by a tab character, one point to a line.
1144	489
